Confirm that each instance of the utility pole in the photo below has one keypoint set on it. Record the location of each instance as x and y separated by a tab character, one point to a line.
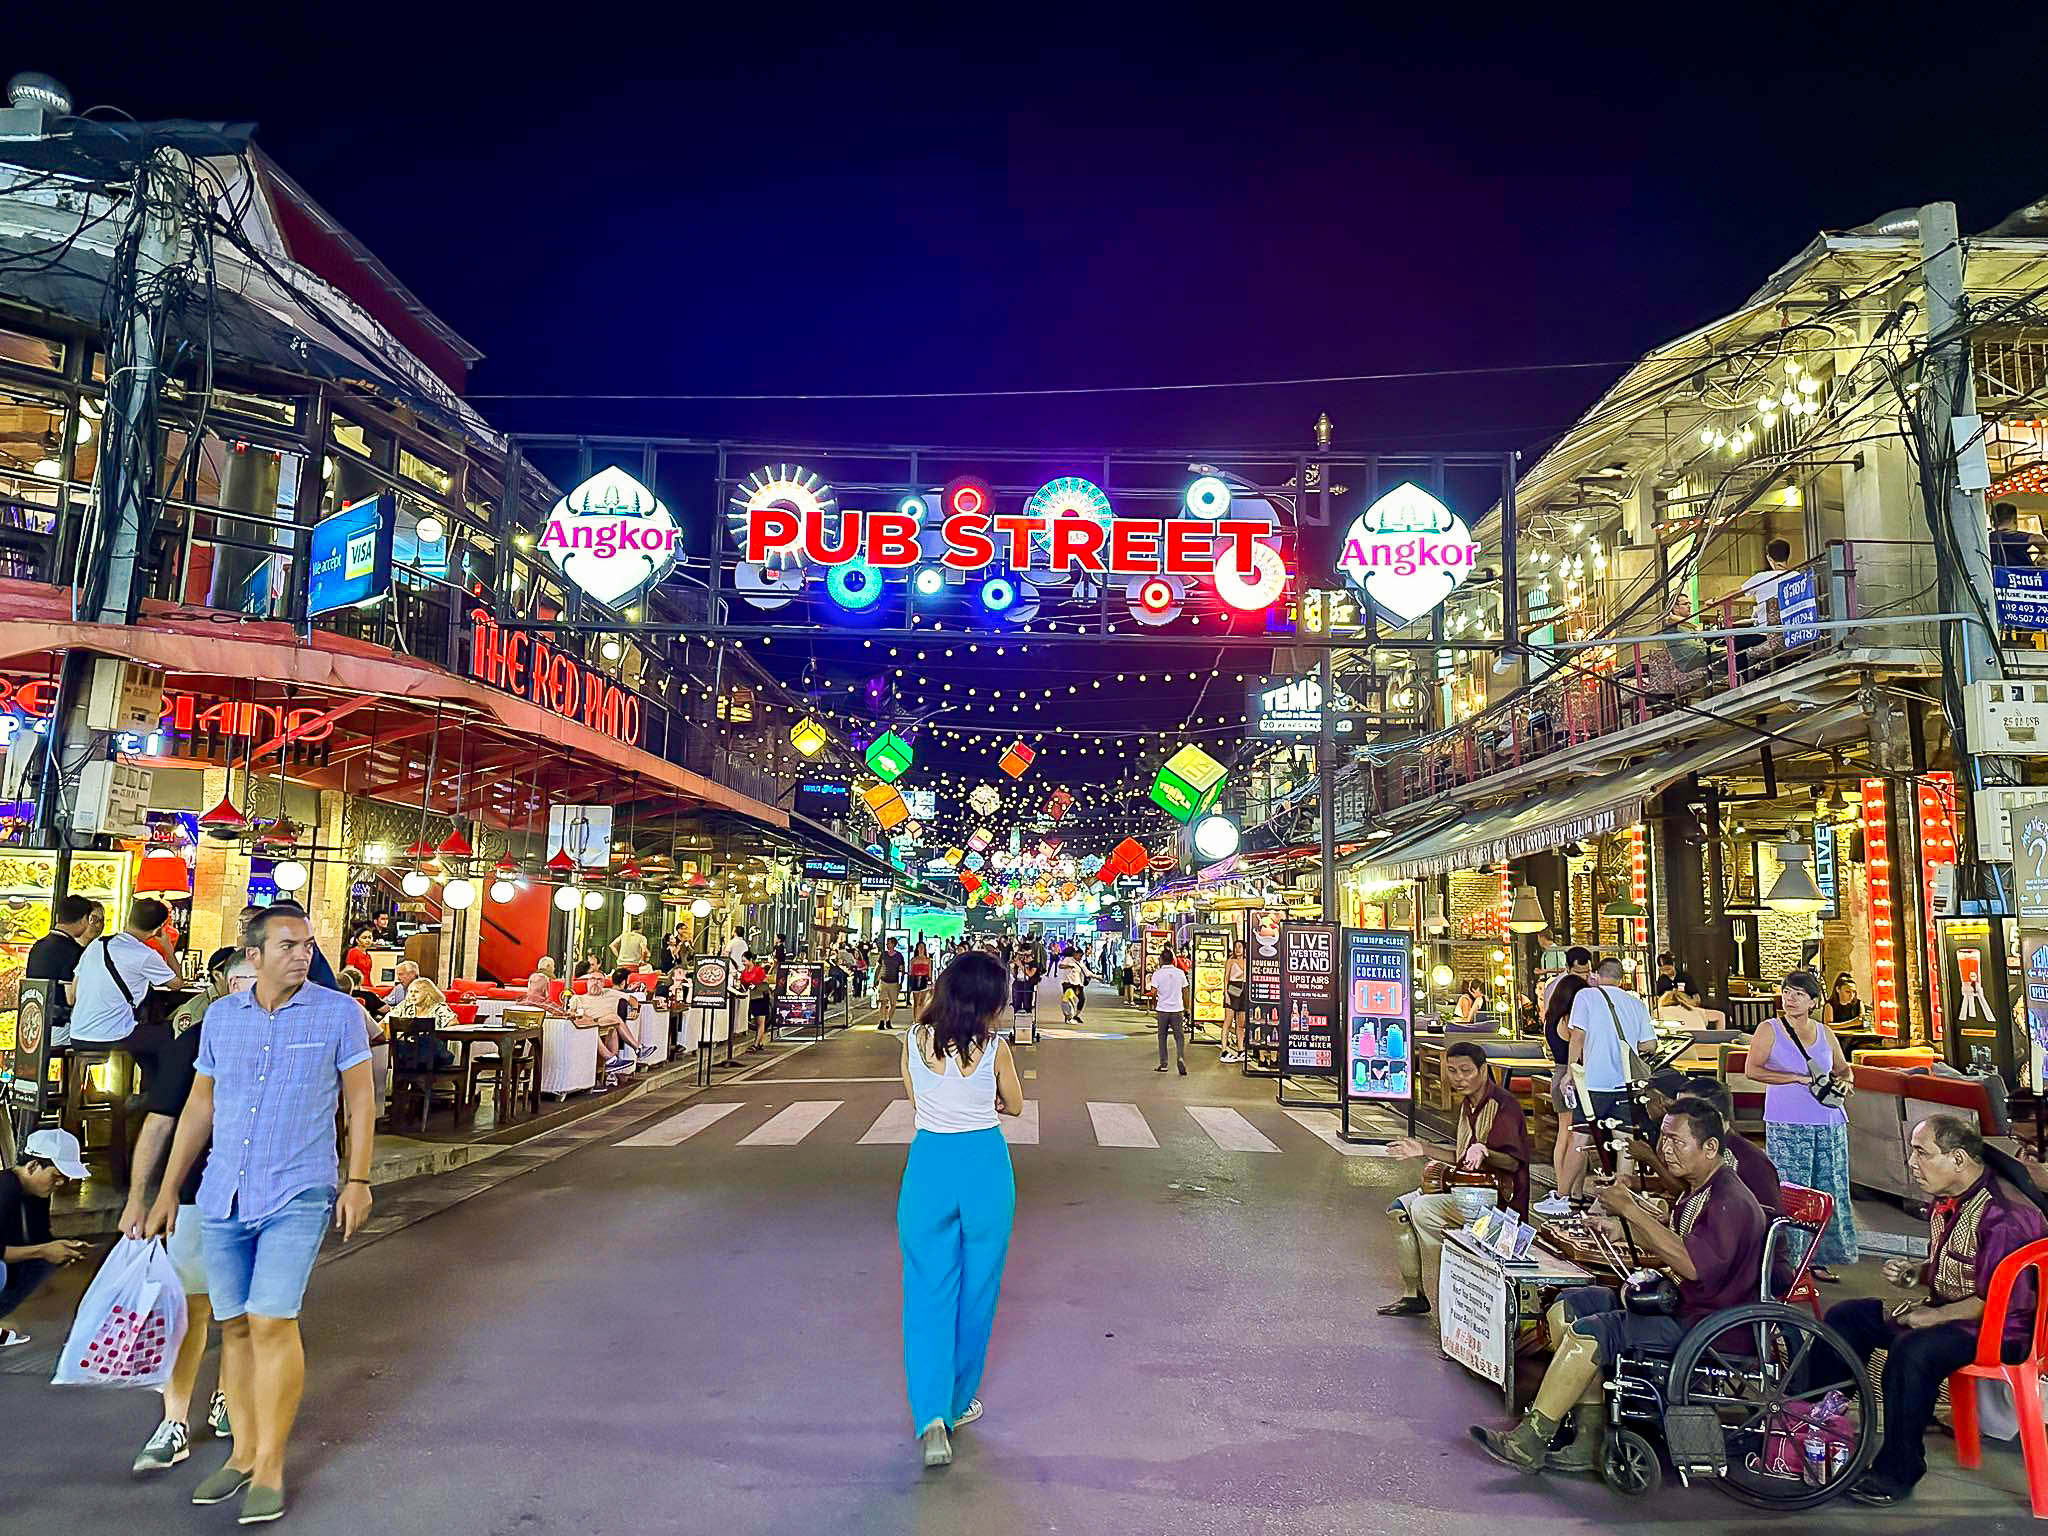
109	591
1949	391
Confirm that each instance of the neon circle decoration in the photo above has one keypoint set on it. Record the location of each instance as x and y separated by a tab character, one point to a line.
968	496
914	506
1261	589
998	594
929	581
790	486
854	586
1154	600
1208	497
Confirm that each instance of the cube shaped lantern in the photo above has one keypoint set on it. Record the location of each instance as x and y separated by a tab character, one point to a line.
808	736
979	840
1058	803
1016	759
889	806
955	855
889	757
1126	858
970	882
1189	782
985	799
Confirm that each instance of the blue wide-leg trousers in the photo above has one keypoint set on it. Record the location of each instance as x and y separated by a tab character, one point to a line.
953	1223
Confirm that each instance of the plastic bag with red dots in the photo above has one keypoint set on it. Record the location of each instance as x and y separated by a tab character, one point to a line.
130	1322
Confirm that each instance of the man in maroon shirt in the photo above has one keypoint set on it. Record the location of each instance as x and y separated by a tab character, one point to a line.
1714	1247
1976	1221
1493	1135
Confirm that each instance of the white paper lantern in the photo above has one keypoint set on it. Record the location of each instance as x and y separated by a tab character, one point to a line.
459	894
635	903
415	883
503	890
567	899
592	900
291	875
700	908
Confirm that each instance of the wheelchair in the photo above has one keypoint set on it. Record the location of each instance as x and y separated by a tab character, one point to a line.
1741	1400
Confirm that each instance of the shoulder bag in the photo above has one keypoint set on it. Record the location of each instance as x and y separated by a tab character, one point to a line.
1633	1068
1822	1085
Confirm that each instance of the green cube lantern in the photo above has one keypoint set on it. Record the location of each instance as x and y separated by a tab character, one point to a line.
889	757
1188	783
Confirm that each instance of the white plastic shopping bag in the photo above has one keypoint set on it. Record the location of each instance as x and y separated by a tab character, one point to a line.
130	1322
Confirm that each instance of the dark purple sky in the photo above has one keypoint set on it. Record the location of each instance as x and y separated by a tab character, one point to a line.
795	207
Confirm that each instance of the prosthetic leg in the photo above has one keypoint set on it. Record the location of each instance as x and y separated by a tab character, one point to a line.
1412	1302
1571	1382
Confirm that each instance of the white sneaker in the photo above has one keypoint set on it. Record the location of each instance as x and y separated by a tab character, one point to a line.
1555	1205
973	1412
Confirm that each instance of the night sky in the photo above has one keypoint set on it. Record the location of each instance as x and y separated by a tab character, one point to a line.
799	207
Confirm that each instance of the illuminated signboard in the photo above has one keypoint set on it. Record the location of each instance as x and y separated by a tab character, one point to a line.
1407	552
820	867
1292	706
27	704
611	536
527	666
823	801
350	557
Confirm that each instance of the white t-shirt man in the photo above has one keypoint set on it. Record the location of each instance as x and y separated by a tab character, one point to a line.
631	948
1602	1050
1762	588
101	1013
1170	989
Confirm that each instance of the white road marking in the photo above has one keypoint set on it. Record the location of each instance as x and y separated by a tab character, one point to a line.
1120	1125
680	1127
895	1125
792	1125
1230	1130
1322	1125
1022	1130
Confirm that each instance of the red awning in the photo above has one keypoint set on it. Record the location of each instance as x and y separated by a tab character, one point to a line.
384	709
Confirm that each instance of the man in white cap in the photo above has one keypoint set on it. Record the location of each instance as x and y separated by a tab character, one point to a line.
49	1161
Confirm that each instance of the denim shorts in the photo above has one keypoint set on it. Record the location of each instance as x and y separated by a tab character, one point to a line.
262	1266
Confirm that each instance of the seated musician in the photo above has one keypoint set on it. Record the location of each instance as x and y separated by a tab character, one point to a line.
1713	1246
1493	1138
1978	1218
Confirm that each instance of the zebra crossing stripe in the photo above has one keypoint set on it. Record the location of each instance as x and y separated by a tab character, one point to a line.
792	1125
1022	1130
1120	1125
1229	1130
680	1127
1322	1125
895	1125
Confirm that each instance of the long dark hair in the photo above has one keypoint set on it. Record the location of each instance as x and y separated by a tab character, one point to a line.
1569	986
966	997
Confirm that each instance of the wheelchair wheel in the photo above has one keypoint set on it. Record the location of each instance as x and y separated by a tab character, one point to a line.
1762	1369
1629	1464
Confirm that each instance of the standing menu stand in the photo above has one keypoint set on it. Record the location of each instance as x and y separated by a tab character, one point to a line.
1379	1025
710	998
1211	946
1262	992
799	992
1308	1012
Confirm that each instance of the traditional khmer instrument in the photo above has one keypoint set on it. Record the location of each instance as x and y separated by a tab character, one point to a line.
1439	1177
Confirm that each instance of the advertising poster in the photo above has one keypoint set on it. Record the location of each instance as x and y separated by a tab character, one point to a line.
1212	953
708	981
1379	1014
25	1050
1308	999
1262	988
1472	1313
2034	972
797	994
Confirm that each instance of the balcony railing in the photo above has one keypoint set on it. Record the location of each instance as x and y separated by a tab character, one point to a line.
1592	692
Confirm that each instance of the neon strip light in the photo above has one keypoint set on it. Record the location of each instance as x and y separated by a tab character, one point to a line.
1884	910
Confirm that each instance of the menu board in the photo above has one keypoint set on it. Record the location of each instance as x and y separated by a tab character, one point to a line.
1308	999
1262	988
797	993
1379	1000
709	978
25	1050
1212	954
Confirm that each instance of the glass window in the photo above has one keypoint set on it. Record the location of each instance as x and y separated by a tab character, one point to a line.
31	443
418	470
31	351
358	440
424	538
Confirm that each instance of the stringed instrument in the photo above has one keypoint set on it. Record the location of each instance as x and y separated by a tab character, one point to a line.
1439	1177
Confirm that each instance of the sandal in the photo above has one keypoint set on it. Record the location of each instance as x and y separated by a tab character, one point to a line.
1825	1275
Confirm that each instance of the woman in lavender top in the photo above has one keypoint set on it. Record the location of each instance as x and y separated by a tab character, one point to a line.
1807	1135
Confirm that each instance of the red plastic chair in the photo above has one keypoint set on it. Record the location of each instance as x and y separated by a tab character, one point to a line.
1814	1209
2022	1377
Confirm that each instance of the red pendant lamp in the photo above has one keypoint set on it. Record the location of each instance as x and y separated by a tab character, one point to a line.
226	814
455	845
163	873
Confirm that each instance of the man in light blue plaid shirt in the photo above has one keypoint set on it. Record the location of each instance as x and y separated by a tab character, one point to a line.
272	1063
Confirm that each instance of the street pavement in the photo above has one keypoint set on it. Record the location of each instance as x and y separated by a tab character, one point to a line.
689	1321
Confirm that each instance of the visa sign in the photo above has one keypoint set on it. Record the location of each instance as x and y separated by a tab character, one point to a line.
350	557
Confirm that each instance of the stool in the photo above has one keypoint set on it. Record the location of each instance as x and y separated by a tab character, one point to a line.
82	1103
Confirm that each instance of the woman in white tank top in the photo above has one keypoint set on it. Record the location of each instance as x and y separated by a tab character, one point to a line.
959	1194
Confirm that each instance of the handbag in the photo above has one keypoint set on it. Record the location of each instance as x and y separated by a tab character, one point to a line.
1825	1090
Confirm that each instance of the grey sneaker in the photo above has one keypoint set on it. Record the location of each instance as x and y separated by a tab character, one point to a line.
170	1445
973	1412
938	1449
217	1416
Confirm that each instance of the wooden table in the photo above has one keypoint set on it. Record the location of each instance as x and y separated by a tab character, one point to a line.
507	1037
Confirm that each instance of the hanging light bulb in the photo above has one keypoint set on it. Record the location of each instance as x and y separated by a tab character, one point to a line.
459	894
567	898
593	900
503	891
415	883
635	903
290	876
